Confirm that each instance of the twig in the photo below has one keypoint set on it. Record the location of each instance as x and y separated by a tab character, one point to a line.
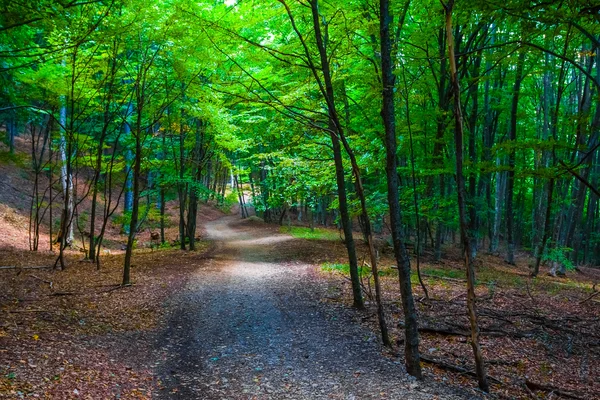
117	288
43	280
455	368
445	278
528	291
596	293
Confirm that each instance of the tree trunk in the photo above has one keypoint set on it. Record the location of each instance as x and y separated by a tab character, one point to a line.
547	229
333	126
11	131
510	181
128	205
133	225
66	178
182	187
473	115
411	349
461	192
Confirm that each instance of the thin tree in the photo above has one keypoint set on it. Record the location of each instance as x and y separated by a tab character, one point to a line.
411	349
461	192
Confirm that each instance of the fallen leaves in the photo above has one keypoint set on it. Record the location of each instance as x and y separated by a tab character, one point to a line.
76	344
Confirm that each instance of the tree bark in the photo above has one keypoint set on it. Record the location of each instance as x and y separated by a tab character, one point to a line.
510	181
411	349
333	127
461	192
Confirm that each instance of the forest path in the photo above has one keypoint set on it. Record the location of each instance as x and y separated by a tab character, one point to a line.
250	326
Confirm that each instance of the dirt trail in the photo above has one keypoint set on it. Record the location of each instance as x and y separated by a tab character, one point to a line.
250	326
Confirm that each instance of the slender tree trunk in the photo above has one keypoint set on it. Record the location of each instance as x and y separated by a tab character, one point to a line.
550	191
11	131
182	187
510	181
473	115
461	191
547	229
128	205
542	215
162	195
50	190
485	180
411	349
418	245
137	167
333	128
196	173
65	177
438	147
367	229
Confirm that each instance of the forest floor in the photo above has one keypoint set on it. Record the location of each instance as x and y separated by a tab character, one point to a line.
540	336
258	313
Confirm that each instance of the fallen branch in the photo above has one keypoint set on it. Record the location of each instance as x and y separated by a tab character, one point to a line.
63	294
28	267
117	288
443	331
464	332
596	293
529	291
43	280
445	278
552	389
455	368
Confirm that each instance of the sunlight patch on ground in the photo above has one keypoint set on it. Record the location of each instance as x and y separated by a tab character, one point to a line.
252	270
259	241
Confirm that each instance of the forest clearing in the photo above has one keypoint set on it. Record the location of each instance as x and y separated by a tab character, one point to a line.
303	199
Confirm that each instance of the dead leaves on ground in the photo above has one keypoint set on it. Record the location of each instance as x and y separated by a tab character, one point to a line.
538	331
63	333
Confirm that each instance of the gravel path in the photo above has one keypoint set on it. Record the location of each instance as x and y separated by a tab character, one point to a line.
250	326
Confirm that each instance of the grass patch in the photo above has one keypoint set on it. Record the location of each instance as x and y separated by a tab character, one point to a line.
311	234
444	273
493	277
362	271
19	159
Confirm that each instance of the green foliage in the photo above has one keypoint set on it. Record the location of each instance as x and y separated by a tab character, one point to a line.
559	254
123	219
225	204
209	89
